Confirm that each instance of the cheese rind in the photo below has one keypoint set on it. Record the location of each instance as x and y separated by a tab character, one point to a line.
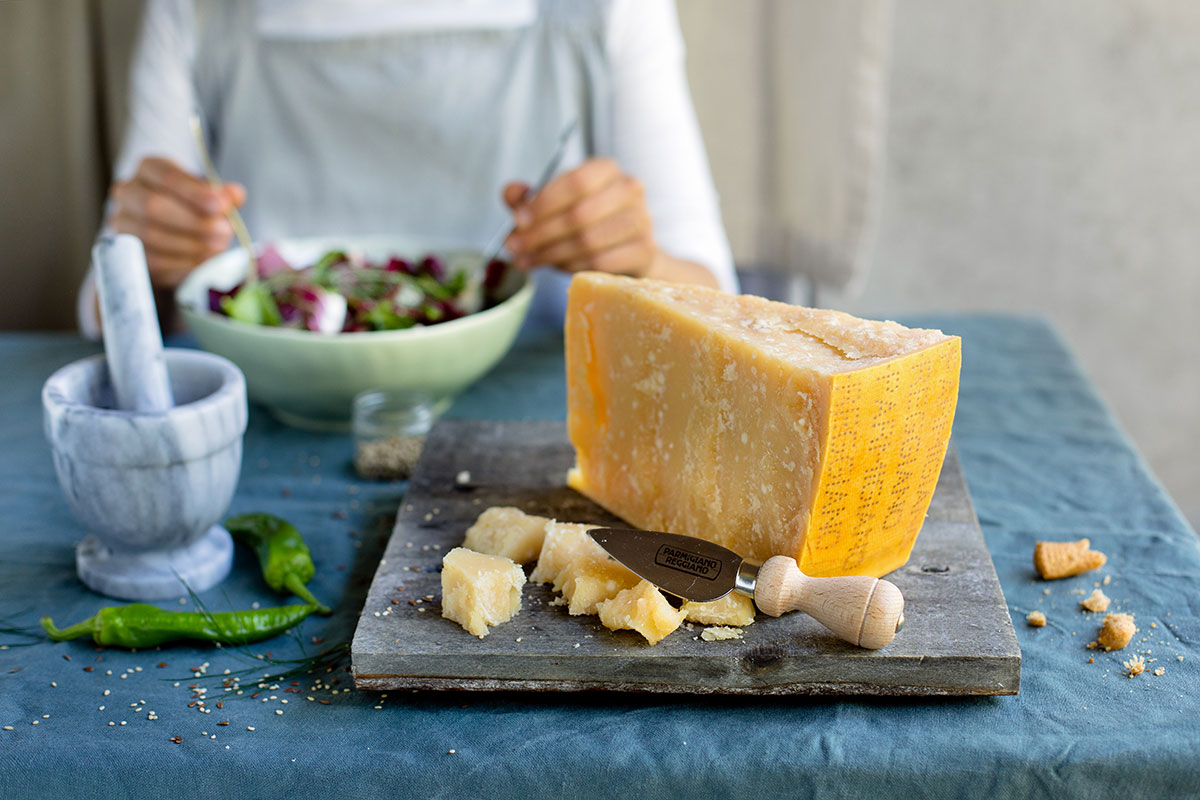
767	428
590	580
509	532
564	542
643	609
479	589
733	610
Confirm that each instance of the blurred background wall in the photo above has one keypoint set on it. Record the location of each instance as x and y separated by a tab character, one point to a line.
1040	157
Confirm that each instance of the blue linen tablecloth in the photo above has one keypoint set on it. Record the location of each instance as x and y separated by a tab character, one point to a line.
1044	460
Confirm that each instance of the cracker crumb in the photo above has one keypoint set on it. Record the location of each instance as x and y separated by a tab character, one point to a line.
1134	666
1160	671
1097	601
1055	560
1036	619
720	633
1116	631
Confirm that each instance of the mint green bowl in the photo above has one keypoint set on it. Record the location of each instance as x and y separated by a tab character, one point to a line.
310	379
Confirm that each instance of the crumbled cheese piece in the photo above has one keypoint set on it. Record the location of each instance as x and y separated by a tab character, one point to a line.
590	580
1097	601
1116	631
479	589
564	542
642	609
509	532
733	609
1063	559
720	633
1135	666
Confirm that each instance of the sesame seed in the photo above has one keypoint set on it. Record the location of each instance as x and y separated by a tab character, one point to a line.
55	685
111	723
36	721
101	708
107	692
122	722
451	752
279	711
8	727
249	727
45	716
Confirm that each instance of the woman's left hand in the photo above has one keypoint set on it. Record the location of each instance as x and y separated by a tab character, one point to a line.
592	218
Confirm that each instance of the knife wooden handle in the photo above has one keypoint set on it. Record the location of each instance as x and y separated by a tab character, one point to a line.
862	610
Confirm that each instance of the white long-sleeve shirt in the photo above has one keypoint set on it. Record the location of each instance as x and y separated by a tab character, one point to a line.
654	133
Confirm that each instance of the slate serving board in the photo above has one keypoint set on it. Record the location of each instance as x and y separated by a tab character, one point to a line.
958	638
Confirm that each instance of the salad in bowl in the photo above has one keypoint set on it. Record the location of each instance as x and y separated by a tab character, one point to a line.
324	319
344	291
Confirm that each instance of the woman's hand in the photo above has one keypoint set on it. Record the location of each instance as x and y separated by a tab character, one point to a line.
179	217
592	218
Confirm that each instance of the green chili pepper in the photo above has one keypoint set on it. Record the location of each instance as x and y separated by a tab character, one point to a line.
286	563
141	625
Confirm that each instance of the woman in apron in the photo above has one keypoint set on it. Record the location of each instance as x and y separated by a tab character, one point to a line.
421	116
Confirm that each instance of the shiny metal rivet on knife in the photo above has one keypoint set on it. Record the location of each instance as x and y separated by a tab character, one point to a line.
864	611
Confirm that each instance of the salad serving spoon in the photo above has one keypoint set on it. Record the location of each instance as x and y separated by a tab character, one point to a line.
560	149
214	180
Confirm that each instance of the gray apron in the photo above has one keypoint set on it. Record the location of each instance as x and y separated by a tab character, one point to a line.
402	132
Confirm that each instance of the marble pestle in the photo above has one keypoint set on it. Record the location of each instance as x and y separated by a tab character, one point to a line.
132	337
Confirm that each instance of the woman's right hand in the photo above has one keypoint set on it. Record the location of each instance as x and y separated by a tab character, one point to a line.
179	217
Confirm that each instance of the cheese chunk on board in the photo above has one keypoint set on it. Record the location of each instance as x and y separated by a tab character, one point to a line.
479	589
509	532
767	428
590	579
735	610
643	609
564	542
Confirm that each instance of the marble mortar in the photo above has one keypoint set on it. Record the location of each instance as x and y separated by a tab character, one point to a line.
150	486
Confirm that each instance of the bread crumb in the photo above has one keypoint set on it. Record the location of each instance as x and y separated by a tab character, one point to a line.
1036	619
1160	671
1116	631
1096	601
1055	560
720	633
1135	666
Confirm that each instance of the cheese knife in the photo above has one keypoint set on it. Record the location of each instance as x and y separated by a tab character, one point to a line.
864	611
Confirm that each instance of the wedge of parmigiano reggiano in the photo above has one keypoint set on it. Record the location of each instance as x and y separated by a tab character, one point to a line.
767	428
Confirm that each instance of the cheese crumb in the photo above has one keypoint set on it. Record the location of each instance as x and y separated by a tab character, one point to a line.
1116	631
1055	560
1036	619
1096	601
720	633
1135	666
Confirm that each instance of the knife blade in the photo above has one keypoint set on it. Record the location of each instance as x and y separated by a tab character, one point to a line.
860	609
